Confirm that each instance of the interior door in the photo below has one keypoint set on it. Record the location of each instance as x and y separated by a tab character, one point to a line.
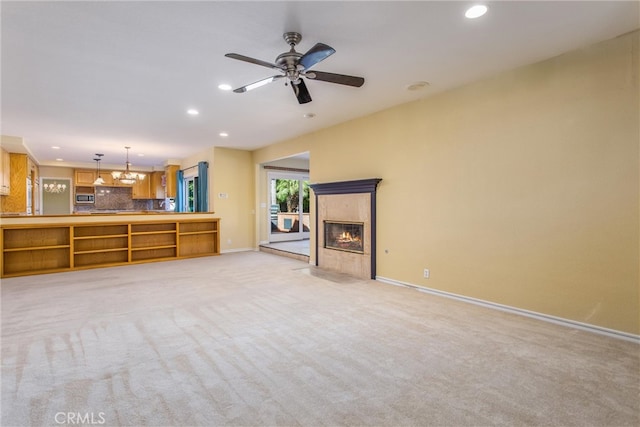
289	207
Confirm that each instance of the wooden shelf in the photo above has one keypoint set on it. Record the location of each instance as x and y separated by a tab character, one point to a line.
36	248
148	248
99	251
110	236
190	233
47	248
147	233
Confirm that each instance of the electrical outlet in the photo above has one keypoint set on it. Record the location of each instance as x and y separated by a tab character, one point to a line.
426	273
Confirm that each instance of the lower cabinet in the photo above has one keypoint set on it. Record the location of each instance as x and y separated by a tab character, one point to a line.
52	248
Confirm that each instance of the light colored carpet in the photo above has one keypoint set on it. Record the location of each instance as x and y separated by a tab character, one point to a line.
253	339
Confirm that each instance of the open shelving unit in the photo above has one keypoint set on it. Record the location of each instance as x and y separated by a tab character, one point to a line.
153	241
46	248
103	244
198	238
25	250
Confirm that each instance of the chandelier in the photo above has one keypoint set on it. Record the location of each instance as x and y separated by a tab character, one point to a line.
99	180
127	177
55	187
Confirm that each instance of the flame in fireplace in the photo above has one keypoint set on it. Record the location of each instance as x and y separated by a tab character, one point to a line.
347	237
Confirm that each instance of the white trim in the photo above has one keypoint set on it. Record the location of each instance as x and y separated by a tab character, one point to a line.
521	312
229	251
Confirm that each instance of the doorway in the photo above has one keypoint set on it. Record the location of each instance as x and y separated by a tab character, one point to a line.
56	202
289	208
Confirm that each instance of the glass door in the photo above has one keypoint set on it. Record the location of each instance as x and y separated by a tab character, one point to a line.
289	208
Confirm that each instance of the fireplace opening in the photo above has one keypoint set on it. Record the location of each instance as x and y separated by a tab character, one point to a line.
344	236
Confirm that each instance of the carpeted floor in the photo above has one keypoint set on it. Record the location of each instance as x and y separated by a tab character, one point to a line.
253	339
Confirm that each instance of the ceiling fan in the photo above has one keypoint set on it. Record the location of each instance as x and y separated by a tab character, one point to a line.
294	65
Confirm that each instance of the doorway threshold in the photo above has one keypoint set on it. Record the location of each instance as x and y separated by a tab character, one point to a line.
297	249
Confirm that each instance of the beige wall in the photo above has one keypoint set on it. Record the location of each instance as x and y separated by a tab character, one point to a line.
522	189
232	176
230	173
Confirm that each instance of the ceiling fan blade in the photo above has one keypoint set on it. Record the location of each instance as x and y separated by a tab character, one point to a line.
316	54
341	79
301	92
252	60
257	84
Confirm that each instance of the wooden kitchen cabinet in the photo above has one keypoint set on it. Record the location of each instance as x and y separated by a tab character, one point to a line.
141	188
171	180
17	201
5	174
107	178
157	185
85	177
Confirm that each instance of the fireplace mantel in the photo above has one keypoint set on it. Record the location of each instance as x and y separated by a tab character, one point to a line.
332	204
346	187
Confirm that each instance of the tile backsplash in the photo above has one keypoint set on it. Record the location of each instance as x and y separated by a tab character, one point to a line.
118	198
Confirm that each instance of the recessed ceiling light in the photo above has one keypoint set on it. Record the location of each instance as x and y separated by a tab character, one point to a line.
476	11
193	112
224	86
309	115
223	134
55	147
140	154
417	85
59	160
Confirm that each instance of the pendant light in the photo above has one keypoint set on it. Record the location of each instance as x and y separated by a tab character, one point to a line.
99	180
127	177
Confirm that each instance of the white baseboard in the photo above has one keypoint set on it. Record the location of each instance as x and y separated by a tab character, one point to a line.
514	310
228	251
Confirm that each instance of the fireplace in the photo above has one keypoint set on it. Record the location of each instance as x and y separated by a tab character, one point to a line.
344	236
345	226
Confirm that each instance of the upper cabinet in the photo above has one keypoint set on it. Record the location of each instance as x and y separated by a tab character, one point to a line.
157	185
107	178
141	188
85	177
171	180
5	173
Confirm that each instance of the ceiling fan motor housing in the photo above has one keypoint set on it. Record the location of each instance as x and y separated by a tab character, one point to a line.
289	61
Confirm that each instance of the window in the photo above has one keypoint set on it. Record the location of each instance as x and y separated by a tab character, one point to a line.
191	193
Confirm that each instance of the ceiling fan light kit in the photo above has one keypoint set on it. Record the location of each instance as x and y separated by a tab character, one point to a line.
294	66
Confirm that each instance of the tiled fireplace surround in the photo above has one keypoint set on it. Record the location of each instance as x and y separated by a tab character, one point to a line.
349	202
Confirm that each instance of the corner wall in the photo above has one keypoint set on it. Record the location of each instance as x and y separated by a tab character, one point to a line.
522	189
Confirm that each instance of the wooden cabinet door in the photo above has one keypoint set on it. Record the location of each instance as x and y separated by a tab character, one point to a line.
107	178
170	179
85	177
141	189
157	189
5	174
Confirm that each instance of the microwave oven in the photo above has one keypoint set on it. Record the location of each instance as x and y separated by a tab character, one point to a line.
85	198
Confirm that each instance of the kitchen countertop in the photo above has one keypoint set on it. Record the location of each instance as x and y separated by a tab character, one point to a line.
116	216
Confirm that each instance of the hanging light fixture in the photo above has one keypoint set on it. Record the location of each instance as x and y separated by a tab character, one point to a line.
55	187
99	180
127	177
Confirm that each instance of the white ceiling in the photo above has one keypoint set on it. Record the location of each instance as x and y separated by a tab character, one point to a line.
94	77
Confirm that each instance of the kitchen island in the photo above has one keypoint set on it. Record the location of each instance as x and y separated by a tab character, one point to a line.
53	243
